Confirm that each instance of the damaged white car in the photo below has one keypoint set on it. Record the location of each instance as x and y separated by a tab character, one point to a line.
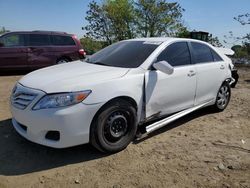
108	99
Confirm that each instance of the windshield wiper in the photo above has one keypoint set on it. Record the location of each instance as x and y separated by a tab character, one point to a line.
100	63
96	62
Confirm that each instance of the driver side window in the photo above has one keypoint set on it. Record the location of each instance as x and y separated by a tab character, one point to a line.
12	40
176	54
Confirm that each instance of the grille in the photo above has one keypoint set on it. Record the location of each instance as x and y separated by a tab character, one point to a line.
22	97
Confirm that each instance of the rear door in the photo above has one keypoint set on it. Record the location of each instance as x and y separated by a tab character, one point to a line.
210	72
166	94
13	52
65	46
39	51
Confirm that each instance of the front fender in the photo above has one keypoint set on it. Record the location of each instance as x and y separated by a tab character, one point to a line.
131	86
128	86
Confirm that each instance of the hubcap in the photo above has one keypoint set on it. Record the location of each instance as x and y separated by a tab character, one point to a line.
223	97
116	126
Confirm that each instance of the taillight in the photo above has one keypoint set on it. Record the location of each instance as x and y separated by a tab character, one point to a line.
82	52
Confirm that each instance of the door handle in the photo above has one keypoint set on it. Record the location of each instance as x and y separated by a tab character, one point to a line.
191	73
222	67
32	49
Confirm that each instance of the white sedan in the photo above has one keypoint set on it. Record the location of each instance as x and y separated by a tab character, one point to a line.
108	99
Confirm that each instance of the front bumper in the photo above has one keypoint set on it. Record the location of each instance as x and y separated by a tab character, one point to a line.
72	123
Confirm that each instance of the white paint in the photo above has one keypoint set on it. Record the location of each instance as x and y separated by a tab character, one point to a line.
226	51
165	121
187	87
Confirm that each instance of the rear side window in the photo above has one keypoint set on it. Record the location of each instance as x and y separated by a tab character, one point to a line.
12	40
176	54
202	53
62	40
216	56
39	40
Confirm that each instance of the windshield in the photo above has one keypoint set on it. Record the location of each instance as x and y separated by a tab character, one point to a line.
126	54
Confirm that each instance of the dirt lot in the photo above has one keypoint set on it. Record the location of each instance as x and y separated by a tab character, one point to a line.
204	149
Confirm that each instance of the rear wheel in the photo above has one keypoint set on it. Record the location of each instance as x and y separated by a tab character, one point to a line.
114	127
223	97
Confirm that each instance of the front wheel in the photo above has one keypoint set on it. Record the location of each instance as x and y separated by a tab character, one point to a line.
223	97
114	127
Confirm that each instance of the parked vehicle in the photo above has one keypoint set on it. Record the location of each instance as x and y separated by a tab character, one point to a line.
37	49
108	99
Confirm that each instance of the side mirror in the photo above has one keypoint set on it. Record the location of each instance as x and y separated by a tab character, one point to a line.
164	67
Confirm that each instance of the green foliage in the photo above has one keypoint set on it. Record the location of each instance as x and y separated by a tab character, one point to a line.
121	16
240	51
157	18
115	20
3	30
99	25
214	41
110	21
91	46
183	33
244	19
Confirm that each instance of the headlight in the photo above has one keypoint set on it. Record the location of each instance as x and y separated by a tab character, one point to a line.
61	100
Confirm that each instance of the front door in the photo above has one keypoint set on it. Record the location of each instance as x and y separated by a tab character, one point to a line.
167	94
39	48
13	52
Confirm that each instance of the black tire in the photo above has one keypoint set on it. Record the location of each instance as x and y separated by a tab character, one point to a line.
114	127
223	97
235	75
236	78
62	60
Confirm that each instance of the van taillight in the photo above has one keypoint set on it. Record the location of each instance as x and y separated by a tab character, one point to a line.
82	52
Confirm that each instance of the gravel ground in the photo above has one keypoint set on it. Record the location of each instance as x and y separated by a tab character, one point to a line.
203	149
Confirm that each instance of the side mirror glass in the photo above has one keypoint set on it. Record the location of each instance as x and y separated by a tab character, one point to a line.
164	67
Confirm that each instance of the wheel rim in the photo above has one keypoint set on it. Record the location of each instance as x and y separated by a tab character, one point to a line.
116	126
62	61
223	97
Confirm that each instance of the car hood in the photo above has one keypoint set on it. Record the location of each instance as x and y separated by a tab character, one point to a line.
69	77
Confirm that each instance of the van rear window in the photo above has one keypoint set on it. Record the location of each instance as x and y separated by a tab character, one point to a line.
58	40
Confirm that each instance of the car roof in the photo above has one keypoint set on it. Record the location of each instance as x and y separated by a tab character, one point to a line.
164	39
151	39
40	32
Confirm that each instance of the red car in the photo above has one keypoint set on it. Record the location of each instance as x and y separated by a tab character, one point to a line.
37	49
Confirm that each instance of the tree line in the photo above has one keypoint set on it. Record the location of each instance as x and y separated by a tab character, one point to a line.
243	50
115	20
3	30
